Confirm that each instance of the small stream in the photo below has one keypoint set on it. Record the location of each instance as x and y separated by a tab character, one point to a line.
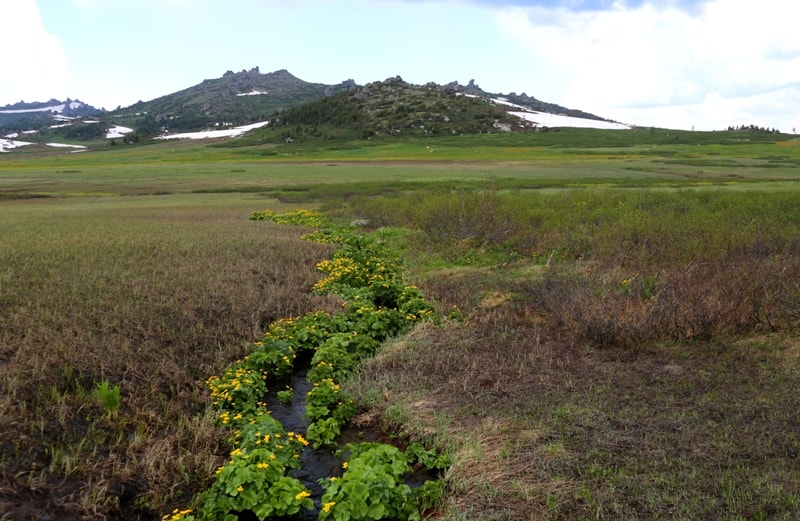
318	464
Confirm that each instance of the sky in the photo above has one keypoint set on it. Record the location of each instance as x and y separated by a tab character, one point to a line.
683	64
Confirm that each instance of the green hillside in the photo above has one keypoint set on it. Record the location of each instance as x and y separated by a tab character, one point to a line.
231	100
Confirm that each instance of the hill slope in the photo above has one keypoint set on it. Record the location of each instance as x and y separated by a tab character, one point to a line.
394	107
30	116
234	99
295	107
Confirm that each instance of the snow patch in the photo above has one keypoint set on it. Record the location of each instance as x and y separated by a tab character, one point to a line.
504	101
43	109
253	93
50	108
10	144
544	119
117	131
64	145
209	134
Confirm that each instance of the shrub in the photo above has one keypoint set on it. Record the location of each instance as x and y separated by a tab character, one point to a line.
702	301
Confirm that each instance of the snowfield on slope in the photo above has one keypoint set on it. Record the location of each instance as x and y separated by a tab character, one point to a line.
64	145
117	131
544	119
210	134
51	108
10	144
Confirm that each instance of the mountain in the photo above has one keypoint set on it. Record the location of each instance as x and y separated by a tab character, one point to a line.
396	107
523	100
234	99
232	103
32	116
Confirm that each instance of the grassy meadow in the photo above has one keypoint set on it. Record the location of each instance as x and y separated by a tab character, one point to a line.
152	294
629	348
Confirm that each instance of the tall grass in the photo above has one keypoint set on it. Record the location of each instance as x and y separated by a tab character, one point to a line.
627	266
151	294
622	227
625	355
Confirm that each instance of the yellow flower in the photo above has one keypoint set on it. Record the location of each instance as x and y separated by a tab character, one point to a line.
344	465
302	495
327	506
240	488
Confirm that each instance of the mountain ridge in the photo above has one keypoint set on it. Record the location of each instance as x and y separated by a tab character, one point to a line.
24	115
233	99
240	98
394	107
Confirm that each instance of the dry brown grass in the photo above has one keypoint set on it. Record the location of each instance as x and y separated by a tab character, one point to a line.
151	294
706	300
542	425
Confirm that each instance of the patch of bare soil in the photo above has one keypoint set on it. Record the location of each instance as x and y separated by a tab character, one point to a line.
19	502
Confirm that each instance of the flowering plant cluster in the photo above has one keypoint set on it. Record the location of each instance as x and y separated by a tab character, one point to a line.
236	391
372	486
361	262
308	218
377	305
255	478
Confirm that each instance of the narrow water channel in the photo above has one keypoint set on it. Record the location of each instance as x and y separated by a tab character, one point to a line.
319	464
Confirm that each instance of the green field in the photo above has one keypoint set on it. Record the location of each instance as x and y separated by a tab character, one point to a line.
631	303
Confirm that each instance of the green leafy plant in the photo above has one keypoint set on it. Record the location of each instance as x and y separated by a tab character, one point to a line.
321	399
338	356
274	357
371	487
255	478
285	396
304	333
324	432
237	391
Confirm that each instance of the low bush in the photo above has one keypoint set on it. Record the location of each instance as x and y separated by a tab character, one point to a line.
639	230
703	301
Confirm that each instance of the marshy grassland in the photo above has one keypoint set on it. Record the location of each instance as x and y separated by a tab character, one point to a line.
152	294
629	346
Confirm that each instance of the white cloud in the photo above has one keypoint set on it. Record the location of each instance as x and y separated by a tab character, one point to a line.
34	58
88	5
725	54
778	108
